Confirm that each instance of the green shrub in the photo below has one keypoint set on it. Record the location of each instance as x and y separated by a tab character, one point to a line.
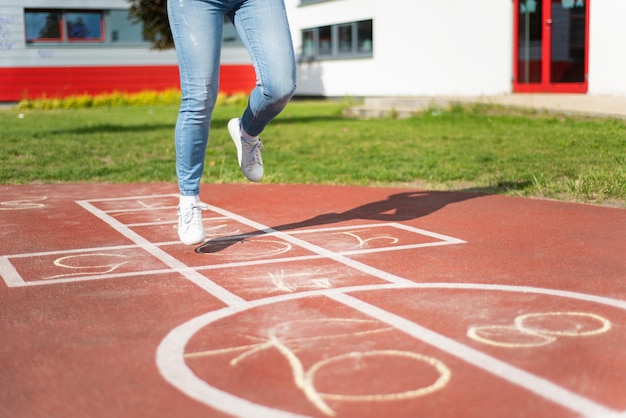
116	98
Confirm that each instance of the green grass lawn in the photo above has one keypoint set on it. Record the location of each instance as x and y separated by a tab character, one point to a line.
486	148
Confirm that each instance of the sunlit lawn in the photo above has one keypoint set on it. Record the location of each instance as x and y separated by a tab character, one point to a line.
487	148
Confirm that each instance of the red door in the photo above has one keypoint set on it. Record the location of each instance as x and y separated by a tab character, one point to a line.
551	46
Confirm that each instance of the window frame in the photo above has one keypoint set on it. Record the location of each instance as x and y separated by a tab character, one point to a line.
101	38
39	39
333	48
230	38
64	35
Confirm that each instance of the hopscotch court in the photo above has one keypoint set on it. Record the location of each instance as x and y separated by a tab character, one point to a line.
344	316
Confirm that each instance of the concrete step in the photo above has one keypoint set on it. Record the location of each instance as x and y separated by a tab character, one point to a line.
572	104
397	107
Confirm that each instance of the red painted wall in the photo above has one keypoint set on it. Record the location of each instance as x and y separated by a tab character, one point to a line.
56	82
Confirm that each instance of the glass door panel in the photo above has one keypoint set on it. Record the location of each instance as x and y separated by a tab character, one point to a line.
551	46
567	49
529	45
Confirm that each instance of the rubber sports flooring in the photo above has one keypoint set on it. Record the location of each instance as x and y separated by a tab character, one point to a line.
319	301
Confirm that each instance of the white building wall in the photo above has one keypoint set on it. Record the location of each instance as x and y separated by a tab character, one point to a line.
14	52
421	47
607	53
11	29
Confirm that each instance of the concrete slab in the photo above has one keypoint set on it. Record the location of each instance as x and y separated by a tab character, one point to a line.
574	104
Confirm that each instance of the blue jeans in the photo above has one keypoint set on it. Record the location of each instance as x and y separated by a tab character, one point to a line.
197	30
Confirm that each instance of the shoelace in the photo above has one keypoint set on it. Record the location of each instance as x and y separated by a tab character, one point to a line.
254	156
191	214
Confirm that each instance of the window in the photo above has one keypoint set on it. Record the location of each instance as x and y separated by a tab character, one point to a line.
345	40
80	26
121	30
308	43
84	26
364	37
105	27
43	26
64	26
324	43
344	33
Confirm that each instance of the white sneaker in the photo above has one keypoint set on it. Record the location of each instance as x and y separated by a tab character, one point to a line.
190	228
248	153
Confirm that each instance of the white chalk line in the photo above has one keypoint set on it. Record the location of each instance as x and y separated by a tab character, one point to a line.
143	209
172	262
79	279
519	377
171	351
9	273
394	248
14	279
152	196
445	238
168	222
219	292
304	379
234	300
77	251
392	278
140	224
267	231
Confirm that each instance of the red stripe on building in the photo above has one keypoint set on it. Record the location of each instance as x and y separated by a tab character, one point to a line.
57	82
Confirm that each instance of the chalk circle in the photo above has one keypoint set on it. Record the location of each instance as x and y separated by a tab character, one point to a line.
171	363
92	258
249	249
563	324
509	336
76	262
538	329
442	370
23	204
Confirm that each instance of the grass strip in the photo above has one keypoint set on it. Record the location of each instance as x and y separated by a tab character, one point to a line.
481	147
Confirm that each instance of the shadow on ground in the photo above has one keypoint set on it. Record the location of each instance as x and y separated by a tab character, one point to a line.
397	207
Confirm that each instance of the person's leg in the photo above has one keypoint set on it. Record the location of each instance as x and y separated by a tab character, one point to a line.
197	31
263	28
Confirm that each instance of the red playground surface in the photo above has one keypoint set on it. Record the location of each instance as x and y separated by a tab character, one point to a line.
309	301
